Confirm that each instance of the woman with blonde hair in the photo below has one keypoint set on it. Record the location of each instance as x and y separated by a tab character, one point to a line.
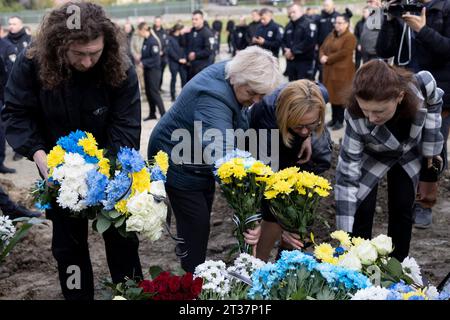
297	110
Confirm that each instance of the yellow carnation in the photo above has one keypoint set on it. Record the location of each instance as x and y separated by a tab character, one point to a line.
55	157
357	241
89	144
104	166
141	181
121	207
162	160
271	194
324	252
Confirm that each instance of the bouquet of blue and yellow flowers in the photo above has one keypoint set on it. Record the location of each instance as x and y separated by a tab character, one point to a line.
135	196
293	197
78	175
242	180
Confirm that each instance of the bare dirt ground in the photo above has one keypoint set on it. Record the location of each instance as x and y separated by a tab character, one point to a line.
30	270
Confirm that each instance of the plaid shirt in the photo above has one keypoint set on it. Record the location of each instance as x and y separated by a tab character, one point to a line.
368	151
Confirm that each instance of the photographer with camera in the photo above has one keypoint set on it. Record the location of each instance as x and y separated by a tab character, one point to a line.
417	35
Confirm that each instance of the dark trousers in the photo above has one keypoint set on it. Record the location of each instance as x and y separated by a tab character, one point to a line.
297	70
70	248
401	196
192	211
358	58
2	139
163	67
5	202
175	69
151	79
337	113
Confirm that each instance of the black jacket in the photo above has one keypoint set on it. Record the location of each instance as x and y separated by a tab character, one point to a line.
431	46
8	54
174	49
164	39
325	24
202	43
151	57
251	30
263	116
217	26
239	39
273	35
301	36
35	118
20	40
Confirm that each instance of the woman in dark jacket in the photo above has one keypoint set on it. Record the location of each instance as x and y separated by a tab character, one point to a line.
177	59
297	109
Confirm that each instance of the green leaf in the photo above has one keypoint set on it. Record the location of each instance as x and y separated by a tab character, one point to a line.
394	268
119	222
17	237
114	214
102	224
155	271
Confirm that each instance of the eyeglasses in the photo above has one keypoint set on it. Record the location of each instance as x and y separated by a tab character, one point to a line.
311	127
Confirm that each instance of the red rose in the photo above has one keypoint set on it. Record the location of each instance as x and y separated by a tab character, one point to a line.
186	281
146	285
196	287
174	284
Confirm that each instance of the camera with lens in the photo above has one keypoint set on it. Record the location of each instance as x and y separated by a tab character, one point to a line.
401	7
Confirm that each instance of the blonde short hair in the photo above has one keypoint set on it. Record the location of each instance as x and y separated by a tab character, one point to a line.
255	67
294	101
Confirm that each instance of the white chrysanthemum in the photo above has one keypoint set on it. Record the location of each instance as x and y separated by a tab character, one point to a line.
432	293
7	229
412	269
383	244
74	159
245	265
371	293
214	277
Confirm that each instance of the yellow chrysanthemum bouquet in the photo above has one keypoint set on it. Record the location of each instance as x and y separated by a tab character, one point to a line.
242	180
293	197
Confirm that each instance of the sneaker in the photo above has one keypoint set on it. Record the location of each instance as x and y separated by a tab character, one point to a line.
422	217
20	211
4	169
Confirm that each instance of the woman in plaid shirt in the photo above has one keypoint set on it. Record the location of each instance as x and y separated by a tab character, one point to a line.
392	127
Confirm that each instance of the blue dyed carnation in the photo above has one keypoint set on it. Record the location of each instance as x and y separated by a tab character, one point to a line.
157	174
117	189
70	142
97	184
130	160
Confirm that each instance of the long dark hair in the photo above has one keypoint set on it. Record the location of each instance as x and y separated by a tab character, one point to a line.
54	38
378	81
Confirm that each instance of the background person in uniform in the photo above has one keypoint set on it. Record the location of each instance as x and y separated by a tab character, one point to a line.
8	54
215	98
151	61
325	25
357	32
129	31
230	29
239	36
269	34
336	56
91	87
17	34
217	27
200	45
299	41
161	33
253	26
177	59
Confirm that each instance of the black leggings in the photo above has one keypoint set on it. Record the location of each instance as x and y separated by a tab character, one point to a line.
401	196
192	210
337	113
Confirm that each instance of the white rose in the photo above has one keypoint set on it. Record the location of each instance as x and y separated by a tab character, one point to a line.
157	188
119	298
134	223
366	252
137	205
351	261
383	244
